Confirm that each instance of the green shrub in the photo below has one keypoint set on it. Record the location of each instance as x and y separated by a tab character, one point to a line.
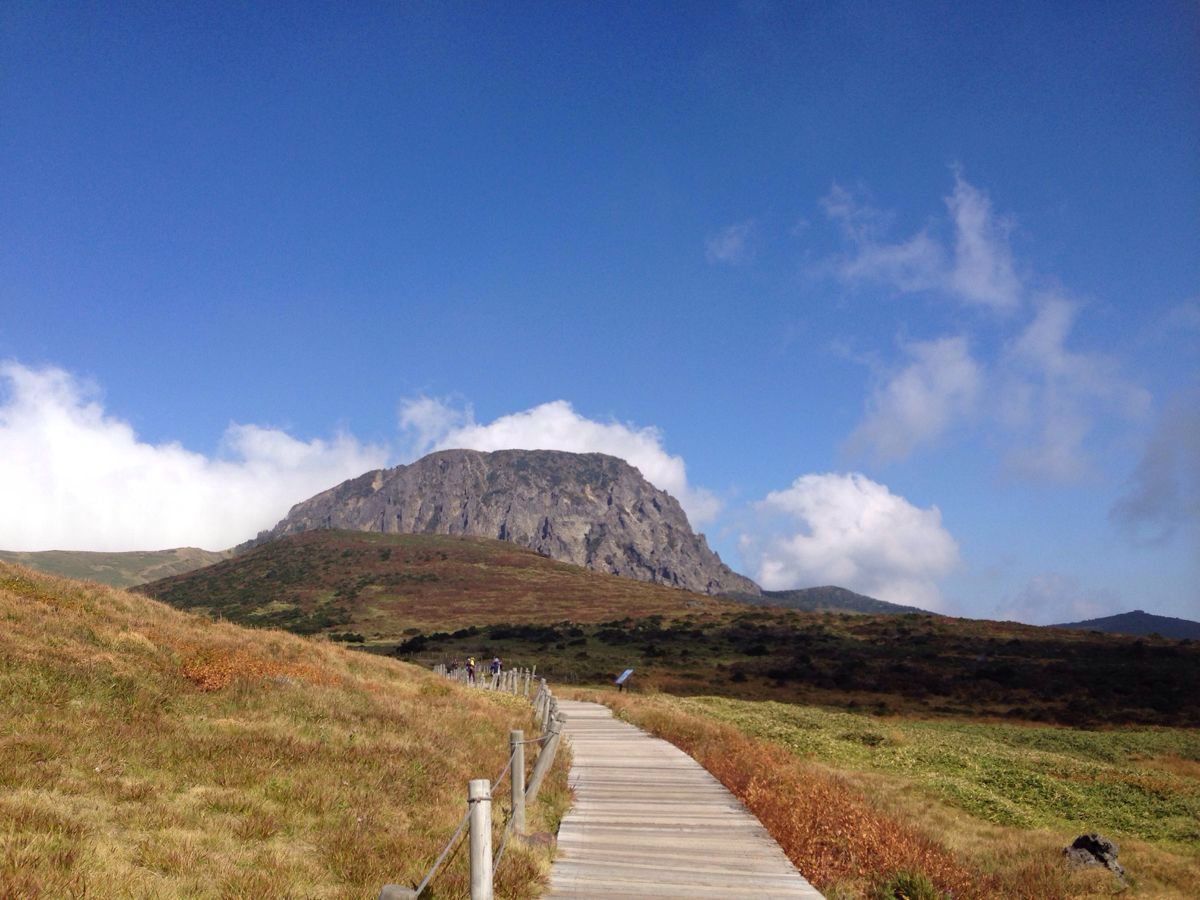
906	886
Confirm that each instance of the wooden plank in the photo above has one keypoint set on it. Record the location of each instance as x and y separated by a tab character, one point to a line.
649	821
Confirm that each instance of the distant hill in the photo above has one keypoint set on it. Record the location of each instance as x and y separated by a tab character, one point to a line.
116	569
1140	623
829	598
588	509
379	585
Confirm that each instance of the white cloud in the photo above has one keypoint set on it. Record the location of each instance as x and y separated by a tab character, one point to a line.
1052	598
1051	396
848	530
730	245
983	267
1163	497
915	265
556	426
1184	316
921	401
1050	400
977	271
861	223
429	420
75	478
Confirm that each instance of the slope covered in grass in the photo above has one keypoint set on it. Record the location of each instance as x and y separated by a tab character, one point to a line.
150	752
116	569
980	808
378	585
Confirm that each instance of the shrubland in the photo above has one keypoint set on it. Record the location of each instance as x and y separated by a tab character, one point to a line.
430	598
382	585
916	664
146	751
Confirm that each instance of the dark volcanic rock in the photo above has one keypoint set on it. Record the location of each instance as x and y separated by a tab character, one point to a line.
1094	850
584	508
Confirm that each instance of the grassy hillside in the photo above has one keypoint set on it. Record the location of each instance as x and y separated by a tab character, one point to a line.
378	585
829	599
149	752
116	569
981	809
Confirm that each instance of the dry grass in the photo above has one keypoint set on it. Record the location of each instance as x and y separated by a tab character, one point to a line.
146	752
851	833
1025	862
828	830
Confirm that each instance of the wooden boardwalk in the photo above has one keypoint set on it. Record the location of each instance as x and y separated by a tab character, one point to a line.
648	821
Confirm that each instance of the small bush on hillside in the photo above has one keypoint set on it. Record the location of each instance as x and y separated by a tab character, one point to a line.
906	886
414	644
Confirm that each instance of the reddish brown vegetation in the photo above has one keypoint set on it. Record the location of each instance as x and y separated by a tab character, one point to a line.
213	669
831	833
384	583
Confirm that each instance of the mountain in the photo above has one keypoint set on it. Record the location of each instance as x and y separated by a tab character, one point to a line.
383	586
588	509
116	569
1139	623
829	598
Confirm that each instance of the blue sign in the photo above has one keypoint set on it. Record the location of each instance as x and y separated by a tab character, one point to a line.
624	675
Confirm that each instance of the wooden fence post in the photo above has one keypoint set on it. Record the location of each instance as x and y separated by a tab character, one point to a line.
479	796
516	744
545	760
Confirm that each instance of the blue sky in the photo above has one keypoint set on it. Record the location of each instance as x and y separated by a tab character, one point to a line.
901	298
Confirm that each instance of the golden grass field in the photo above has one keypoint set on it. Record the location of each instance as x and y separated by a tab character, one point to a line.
966	809
148	752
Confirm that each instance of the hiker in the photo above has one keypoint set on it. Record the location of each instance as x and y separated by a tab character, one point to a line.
495	665
470	670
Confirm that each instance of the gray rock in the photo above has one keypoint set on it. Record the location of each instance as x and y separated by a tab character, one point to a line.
584	508
1094	850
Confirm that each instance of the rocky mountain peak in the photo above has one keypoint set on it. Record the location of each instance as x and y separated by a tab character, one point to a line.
589	509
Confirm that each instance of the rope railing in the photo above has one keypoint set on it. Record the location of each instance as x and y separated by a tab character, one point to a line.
479	792
514	681
433	869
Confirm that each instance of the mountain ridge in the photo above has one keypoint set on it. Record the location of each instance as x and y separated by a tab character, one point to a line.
589	509
829	598
1141	623
120	569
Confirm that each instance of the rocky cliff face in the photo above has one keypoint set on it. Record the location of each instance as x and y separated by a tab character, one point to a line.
584	508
